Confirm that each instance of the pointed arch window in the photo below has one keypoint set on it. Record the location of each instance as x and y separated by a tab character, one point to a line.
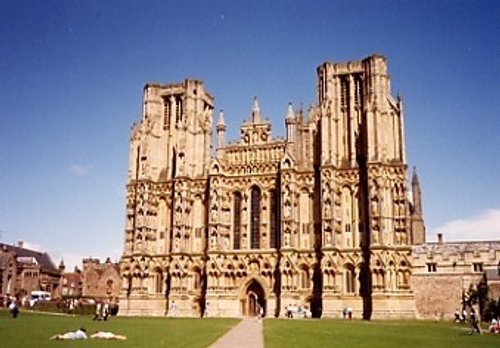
274	219
255	218
167	113
178	109
358	91
236	220
304	278
158	281
350	278
196	279
344	92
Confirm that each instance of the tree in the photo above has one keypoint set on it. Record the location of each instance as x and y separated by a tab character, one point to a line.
477	295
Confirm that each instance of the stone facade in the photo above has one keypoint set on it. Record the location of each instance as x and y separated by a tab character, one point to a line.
320	218
442	272
101	281
23	270
71	283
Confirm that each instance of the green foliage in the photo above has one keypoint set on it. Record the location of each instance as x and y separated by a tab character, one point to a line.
371	334
477	295
34	330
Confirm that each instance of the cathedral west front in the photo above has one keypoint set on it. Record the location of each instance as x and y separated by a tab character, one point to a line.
321	218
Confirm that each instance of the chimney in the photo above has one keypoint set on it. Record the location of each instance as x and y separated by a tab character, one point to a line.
440	238
20	244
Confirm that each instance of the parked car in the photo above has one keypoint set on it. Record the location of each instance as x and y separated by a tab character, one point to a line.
38	295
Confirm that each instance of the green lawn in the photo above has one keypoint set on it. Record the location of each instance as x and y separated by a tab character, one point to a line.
372	334
34	330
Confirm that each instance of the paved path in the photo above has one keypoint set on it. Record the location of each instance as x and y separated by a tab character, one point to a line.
247	334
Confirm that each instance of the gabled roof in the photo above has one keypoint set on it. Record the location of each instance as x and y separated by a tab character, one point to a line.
43	259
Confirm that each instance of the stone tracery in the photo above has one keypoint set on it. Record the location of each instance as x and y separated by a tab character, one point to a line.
288	214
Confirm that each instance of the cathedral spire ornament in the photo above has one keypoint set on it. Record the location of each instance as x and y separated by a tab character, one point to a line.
255	111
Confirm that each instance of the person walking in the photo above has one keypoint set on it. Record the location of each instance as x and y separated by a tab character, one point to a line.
474	321
13	309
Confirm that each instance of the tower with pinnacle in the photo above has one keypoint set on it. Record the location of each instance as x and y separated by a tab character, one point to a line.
320	218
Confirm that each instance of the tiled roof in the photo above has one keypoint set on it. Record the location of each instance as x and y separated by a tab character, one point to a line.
43	259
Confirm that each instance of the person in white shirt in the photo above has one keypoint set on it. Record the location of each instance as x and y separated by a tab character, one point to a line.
108	336
79	334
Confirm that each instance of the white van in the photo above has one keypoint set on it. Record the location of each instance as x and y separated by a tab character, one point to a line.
38	295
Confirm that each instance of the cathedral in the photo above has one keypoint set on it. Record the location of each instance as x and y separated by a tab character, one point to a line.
323	218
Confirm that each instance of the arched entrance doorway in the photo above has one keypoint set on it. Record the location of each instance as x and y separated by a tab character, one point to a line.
254	300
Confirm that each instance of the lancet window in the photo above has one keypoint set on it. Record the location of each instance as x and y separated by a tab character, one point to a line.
158	281
344	92
237	220
255	218
304	278
167	113
350	279
178	109
273	219
358	91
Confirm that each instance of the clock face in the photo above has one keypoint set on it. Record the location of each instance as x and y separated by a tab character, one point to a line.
246	138
263	136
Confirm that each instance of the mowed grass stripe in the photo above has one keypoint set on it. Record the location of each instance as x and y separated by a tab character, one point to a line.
34	330
372	334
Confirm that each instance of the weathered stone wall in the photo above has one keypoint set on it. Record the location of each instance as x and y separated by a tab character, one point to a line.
101	281
437	295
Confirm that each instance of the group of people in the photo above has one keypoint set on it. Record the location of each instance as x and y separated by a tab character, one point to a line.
461	317
81	334
474	321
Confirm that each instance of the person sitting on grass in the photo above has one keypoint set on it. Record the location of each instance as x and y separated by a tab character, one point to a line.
494	326
108	336
80	334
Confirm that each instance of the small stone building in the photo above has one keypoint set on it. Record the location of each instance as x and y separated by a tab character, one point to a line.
101	281
24	270
443	272
71	283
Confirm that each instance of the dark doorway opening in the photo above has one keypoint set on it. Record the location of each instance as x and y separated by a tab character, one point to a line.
254	300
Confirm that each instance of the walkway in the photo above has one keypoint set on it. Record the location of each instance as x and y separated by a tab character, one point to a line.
247	334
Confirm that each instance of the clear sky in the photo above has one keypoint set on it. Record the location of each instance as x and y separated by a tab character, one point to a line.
72	72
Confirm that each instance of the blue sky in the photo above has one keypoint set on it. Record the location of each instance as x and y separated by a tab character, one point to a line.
72	72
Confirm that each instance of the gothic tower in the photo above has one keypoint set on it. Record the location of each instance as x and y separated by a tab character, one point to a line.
319	219
169	156
365	218
417	219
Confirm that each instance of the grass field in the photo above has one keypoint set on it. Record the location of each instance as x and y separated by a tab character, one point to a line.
372	334
34	330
